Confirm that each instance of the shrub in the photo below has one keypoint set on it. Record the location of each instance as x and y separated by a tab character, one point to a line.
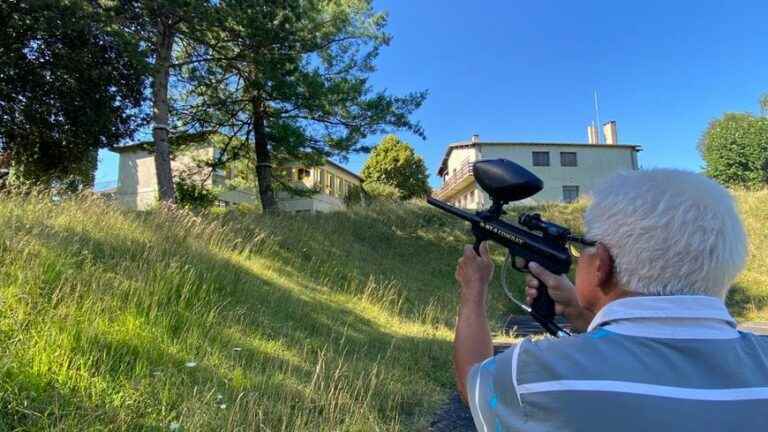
193	195
382	191
735	149
393	162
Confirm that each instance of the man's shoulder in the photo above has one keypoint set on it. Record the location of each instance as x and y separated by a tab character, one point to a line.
598	339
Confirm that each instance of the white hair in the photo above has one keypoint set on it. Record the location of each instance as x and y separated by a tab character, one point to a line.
670	232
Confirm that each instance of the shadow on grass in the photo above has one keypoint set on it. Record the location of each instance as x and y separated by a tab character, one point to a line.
417	260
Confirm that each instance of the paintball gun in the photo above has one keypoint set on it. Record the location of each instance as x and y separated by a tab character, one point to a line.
535	240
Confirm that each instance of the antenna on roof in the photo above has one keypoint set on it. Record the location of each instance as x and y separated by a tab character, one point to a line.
597	116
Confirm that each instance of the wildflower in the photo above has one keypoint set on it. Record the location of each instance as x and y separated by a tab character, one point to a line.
190	364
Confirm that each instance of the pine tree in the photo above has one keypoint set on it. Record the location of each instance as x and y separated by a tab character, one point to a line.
291	80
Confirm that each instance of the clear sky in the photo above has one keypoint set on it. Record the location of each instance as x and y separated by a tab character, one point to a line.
527	70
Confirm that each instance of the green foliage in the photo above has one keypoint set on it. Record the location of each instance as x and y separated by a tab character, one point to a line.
393	162
70	85
382	191
292	79
192	195
735	149
355	196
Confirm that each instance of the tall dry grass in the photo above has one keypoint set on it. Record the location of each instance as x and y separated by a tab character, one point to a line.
114	320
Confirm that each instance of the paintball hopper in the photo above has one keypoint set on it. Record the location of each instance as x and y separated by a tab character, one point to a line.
506	181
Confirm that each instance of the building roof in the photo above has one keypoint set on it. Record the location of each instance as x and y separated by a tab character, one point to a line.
467	144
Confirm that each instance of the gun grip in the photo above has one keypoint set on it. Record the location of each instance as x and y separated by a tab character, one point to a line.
476	247
543	305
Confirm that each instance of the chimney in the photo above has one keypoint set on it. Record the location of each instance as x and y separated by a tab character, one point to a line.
592	136
609	129
475	139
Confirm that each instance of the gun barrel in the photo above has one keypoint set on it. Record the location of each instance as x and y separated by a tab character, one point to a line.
554	257
467	216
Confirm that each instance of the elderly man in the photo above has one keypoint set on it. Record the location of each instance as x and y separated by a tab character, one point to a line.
659	350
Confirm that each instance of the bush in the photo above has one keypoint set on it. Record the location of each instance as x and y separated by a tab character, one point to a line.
382	191
393	162
193	195
735	149
355	196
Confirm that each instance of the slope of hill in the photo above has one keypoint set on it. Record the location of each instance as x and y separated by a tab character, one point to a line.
114	320
127	321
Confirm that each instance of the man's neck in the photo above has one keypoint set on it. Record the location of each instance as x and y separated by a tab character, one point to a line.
612	294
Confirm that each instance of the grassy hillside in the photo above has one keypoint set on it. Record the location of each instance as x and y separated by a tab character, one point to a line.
113	320
303	322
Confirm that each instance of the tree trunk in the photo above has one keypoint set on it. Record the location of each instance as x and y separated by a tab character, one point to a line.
263	159
160	116
5	168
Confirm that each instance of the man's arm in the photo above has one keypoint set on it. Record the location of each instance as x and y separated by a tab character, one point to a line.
472	342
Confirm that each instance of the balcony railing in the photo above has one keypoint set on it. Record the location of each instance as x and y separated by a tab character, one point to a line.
463	172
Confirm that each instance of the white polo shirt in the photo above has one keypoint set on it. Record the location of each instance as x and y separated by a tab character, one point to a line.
659	363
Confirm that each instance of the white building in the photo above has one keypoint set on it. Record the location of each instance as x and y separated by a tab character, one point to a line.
569	170
137	181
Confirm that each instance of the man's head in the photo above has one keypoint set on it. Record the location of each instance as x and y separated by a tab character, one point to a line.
660	232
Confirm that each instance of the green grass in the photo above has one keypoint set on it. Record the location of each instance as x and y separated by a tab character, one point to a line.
748	298
297	322
338	322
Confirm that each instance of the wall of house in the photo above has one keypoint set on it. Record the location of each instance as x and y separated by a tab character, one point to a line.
317	203
137	178
137	183
470	197
593	165
332	181
458	158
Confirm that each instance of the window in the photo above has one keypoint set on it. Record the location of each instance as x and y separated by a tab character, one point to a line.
570	193
329	184
303	173
540	158
568	159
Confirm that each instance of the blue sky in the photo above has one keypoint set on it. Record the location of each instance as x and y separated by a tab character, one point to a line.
526	71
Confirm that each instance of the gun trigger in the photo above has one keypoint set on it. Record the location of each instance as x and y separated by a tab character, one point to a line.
476	246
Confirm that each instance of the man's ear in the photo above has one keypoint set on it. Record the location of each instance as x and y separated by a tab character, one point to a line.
604	266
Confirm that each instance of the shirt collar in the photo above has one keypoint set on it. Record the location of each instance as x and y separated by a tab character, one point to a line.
667	316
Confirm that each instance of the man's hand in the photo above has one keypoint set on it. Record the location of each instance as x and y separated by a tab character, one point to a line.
474	273
472	342
562	292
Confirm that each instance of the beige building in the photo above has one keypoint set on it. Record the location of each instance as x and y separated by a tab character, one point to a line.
569	170
137	181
